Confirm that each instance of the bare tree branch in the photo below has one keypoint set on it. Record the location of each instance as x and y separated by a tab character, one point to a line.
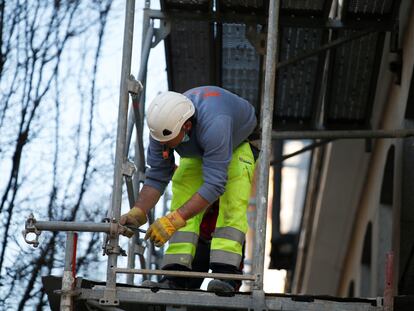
33	55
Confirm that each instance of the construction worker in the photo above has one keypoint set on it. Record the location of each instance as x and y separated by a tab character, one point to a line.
208	127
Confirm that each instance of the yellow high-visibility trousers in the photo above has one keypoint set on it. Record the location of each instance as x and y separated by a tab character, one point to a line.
231	226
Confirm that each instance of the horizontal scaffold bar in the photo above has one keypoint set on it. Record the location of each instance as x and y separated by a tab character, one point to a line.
223	276
72	226
343	134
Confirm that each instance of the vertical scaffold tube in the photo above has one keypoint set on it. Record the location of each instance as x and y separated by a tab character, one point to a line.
264	159
120	144
66	301
137	115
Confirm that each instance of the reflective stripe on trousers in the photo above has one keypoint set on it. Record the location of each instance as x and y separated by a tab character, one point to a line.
231	226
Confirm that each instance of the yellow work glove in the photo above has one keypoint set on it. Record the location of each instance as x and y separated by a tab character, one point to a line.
135	217
163	228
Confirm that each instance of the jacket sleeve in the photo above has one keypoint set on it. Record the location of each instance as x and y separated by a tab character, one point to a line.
216	140
160	170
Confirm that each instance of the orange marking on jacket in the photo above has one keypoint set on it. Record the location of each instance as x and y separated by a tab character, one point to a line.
211	94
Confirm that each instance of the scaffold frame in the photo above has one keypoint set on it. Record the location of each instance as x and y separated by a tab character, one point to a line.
111	295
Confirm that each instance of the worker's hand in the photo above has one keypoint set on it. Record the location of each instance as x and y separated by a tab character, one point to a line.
135	217
163	228
125	231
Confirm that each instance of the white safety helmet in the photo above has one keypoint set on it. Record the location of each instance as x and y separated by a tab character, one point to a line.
167	114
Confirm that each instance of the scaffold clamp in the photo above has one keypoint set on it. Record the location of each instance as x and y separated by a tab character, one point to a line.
31	228
128	169
134	86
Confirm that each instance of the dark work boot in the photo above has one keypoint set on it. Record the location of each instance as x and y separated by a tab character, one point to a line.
221	286
169	282
164	283
224	286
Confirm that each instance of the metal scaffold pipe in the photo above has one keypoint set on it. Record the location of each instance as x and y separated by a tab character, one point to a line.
72	226
68	279
136	114
187	274
343	134
264	159
120	157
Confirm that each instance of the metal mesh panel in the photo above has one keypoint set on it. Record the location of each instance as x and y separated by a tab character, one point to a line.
243	3
190	55
351	81
186	4
296	83
380	7
191	2
240	63
308	5
259	7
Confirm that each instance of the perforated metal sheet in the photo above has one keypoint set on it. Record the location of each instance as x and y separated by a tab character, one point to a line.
240	63
353	79
192	59
297	85
261	6
185	2
190	56
252	4
194	4
308	5
243	3
258	7
376	7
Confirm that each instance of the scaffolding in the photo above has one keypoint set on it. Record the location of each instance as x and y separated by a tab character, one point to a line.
113	296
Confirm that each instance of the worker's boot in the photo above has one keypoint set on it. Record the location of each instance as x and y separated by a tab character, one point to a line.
164	283
221	286
224	286
169	282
